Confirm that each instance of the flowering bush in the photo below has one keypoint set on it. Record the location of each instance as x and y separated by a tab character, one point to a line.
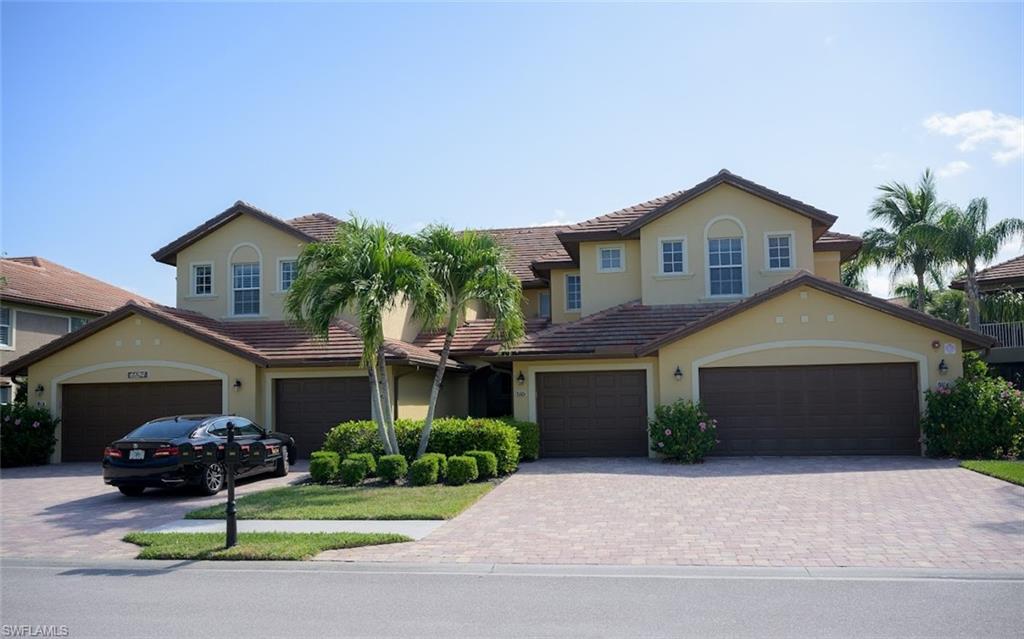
975	417
26	435
683	431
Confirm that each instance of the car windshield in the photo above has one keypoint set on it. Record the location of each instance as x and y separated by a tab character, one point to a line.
164	429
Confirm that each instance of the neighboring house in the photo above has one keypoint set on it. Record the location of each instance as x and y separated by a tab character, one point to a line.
1008	355
726	292
41	300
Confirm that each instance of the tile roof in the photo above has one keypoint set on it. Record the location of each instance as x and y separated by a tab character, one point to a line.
38	281
318	225
1009	272
845	243
472	338
526	244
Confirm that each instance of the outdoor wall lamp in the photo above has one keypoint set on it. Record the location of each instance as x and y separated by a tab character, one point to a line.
237	385
678	374
943	368
520	378
39	389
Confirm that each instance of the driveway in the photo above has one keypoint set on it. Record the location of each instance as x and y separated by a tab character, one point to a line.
65	510
811	511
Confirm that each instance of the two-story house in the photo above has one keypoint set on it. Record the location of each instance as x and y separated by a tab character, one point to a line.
1007	358
726	292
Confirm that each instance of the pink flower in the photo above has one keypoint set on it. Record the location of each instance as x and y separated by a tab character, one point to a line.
703	427
661	444
35	424
668	431
17	422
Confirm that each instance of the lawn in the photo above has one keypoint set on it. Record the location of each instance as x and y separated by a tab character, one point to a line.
263	545
364	502
1011	471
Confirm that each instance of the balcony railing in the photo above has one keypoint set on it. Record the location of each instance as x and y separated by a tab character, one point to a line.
1009	334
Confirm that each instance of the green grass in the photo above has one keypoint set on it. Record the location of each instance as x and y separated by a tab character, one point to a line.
364	502
263	545
1011	471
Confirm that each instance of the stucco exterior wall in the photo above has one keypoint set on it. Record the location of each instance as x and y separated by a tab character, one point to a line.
601	290
531	301
828	264
722	212
34	326
414	394
558	313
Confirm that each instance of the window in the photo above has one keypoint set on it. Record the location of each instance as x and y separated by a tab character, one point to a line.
779	252
725	266
609	259
245	283
6	334
573	298
289	269
77	323
544	301
673	256
202	279
5	394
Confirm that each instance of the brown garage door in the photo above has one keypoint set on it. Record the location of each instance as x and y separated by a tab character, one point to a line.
862	409
308	407
592	414
96	414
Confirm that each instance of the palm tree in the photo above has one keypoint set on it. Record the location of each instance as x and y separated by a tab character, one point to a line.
964	238
368	269
902	209
468	266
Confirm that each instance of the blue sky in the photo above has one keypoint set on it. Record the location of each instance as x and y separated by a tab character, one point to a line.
125	125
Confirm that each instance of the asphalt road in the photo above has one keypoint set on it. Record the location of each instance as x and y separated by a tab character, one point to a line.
185	599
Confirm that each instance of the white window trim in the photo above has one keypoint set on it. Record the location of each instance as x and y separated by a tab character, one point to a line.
566	282
792	252
280	261
621	248
192	280
231	280
11	332
707	258
661	256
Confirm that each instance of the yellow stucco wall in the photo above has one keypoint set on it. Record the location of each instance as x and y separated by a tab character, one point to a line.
604	289
828	264
414	394
531	301
724	211
558	313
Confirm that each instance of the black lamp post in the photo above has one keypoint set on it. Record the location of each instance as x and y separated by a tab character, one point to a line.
230	459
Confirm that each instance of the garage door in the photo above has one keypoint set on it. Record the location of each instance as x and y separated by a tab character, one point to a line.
96	414
306	408
863	409
592	414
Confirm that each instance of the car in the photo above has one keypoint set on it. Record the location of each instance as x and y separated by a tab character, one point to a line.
149	456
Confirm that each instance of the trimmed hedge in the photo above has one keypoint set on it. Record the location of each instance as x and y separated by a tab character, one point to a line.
423	471
353	471
391	468
366	458
450	436
529	438
28	436
461	469
442	463
486	463
323	466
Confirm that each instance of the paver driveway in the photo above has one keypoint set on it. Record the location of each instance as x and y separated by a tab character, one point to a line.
813	511
65	510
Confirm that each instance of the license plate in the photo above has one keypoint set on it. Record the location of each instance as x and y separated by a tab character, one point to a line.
137	453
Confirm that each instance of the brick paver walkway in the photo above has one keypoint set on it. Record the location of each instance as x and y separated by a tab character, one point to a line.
66	511
877	512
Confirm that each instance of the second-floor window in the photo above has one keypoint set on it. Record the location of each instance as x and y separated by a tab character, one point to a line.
573	293
609	259
673	256
544	302
202	279
5	327
245	284
289	269
725	266
780	252
76	323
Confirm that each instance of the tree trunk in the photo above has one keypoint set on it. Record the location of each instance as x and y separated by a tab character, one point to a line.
973	301
428	422
378	412
920	291
385	400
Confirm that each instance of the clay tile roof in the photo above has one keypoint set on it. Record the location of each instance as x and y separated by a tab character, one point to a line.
471	338
1009	272
524	245
38	281
318	225
846	244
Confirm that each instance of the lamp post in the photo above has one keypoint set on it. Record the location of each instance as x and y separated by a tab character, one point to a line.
230	459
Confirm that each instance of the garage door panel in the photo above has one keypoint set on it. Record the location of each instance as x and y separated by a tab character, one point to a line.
600	413
789	410
306	408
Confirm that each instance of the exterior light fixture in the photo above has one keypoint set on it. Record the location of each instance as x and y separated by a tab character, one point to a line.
943	368
678	374
520	378
39	389
237	385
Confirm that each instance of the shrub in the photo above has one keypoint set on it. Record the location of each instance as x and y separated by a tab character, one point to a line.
423	471
974	417
529	438
361	437
367	458
392	467
323	466
28	436
486	463
461	469
442	463
353	471
683	430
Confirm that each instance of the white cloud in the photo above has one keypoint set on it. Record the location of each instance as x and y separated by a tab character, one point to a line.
953	169
560	218
879	283
975	128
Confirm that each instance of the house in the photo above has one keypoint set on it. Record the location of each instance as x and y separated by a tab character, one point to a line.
727	292
41	300
1007	358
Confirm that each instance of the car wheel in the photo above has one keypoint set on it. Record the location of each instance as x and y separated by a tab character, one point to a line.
281	470
212	481
131	491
